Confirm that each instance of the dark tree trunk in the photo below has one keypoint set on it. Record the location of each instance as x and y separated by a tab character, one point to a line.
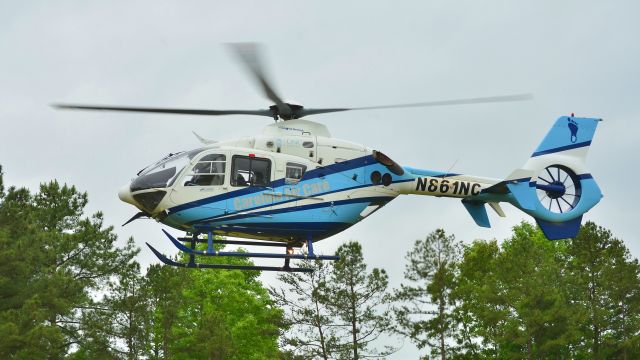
323	346
354	323
443	355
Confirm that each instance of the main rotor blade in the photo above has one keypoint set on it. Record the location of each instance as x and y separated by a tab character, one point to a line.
165	110
249	54
480	100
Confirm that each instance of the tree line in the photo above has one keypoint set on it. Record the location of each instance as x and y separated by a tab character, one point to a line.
525	298
70	289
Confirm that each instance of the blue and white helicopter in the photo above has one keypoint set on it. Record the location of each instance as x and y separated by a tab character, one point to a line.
294	184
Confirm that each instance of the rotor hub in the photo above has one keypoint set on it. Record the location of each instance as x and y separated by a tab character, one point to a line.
555	190
294	113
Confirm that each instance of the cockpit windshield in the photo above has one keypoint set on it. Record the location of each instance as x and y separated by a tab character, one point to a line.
164	172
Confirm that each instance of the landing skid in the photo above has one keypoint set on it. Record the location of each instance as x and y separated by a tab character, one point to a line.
192	252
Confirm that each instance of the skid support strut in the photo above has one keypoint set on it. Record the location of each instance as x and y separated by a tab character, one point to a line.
192	257
309	245
211	251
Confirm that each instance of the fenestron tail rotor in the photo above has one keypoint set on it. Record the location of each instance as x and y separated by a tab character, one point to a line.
250	56
558	189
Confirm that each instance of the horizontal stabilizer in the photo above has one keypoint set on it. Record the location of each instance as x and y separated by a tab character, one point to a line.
563	230
478	212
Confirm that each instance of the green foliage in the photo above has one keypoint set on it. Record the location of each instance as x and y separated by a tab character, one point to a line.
355	295
526	309
530	297
123	314
68	291
336	312
212	314
515	296
312	332
425	309
52	260
605	282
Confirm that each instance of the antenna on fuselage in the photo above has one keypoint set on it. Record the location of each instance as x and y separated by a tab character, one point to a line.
203	140
448	173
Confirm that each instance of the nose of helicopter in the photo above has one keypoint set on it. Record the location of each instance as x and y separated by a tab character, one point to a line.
125	195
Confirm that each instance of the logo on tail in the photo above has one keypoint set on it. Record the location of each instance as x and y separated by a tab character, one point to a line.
573	127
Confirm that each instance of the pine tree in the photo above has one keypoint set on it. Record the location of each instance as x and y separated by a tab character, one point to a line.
67	291
53	262
164	286
606	284
529	270
624	294
125	310
311	328
426	310
357	297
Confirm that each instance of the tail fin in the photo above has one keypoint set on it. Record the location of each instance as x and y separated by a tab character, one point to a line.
554	185
569	138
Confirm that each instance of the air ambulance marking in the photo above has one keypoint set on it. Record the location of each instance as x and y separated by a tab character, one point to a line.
266	198
448	187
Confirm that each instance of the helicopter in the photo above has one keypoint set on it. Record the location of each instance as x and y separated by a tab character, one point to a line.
294	184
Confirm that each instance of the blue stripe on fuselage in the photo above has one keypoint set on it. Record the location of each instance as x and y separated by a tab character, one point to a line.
431	173
379	199
287	230
309	175
328	218
330	179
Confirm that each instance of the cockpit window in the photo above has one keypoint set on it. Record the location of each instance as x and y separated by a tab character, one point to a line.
170	161
164	172
208	171
250	171
294	172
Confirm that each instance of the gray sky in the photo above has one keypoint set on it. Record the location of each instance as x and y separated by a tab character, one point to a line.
575	56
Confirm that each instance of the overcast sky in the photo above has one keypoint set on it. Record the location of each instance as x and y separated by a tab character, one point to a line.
574	56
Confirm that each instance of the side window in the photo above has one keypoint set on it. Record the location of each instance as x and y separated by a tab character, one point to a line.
208	171
294	173
250	171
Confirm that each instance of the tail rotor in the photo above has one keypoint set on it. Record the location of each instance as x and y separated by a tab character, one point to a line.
558	189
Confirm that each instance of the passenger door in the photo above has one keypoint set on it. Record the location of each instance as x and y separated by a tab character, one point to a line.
253	175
